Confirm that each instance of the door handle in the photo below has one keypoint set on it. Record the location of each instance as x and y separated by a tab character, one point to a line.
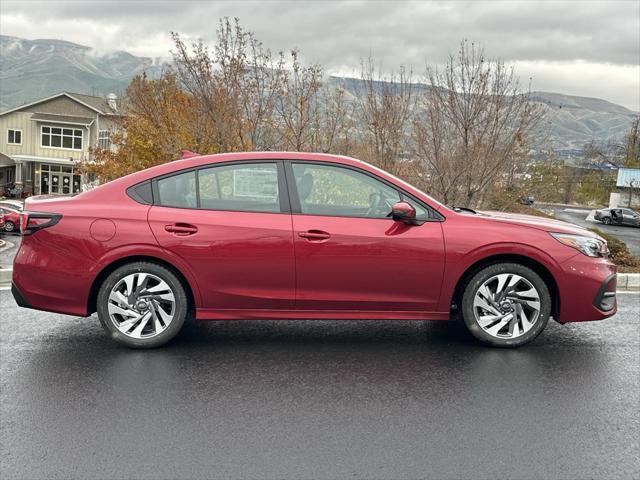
181	229
315	235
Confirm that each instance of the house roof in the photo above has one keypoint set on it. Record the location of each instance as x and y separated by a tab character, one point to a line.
6	160
628	175
97	104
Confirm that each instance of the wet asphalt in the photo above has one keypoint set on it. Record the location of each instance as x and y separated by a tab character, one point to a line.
323	399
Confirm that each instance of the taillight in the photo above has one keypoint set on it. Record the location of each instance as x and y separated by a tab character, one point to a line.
33	221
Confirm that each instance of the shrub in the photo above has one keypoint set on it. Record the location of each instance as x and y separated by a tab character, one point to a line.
509	199
619	253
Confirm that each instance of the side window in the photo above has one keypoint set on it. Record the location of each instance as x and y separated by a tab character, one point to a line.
336	191
178	191
249	187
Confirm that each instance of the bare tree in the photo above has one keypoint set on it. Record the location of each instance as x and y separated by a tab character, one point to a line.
473	125
236	86
335	124
632	146
297	107
384	110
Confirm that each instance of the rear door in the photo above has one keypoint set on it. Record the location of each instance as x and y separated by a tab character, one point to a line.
231	224
349	254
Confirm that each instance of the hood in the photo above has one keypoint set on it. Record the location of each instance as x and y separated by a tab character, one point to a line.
541	223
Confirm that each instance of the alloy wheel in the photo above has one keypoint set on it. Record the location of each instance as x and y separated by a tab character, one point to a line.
506	306
9	226
141	305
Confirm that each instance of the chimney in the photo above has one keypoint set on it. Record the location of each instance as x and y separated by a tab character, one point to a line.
111	101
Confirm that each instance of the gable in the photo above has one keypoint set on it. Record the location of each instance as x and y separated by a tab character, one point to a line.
61	105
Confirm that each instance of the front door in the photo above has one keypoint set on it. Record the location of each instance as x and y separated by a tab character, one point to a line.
616	216
234	232
349	254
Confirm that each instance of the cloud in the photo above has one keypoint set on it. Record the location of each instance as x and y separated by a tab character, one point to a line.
600	41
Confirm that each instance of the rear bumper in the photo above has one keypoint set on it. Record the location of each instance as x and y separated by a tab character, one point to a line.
18	297
49	279
587	289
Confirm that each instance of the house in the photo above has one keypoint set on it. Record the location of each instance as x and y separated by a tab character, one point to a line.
628	185
41	142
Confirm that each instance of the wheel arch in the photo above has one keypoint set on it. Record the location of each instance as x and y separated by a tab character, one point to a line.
109	268
529	262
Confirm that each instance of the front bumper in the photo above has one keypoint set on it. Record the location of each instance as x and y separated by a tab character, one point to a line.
606	297
587	289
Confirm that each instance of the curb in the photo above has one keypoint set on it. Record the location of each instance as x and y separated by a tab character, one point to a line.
627	282
5	277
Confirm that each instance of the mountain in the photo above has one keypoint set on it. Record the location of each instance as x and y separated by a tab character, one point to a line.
572	121
575	121
32	69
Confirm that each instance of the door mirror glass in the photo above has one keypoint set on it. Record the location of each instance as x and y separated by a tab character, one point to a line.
403	212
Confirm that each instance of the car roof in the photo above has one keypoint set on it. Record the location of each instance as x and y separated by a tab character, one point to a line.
203	160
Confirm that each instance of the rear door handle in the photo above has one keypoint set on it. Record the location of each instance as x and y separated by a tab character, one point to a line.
181	229
315	235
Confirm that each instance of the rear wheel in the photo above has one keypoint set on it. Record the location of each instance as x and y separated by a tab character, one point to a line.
506	305
142	305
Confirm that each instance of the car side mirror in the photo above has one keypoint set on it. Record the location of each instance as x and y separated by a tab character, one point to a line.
403	212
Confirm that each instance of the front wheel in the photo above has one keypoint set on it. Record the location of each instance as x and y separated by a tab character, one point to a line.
606	220
142	305
9	226
506	305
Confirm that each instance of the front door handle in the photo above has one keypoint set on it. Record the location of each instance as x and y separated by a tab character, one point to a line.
315	235
181	229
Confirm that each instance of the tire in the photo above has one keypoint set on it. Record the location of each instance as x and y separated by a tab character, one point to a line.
9	226
606	220
142	292
509	316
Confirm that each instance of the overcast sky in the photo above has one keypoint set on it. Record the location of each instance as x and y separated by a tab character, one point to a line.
580	48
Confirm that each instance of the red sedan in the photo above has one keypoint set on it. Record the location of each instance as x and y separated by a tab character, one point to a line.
11	219
300	236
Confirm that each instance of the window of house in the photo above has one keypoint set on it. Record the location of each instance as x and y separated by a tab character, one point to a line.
104	139
59	137
243	187
14	136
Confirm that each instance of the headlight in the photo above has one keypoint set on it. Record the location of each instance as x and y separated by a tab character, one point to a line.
591	247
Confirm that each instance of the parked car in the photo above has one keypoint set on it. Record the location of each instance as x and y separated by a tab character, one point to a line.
300	236
11	219
14	204
618	216
527	200
1	221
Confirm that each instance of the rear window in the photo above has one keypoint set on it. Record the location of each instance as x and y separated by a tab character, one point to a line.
243	187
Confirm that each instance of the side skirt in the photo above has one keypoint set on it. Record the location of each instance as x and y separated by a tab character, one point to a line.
211	314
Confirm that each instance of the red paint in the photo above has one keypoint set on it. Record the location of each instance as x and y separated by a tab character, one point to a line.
283	265
10	215
189	154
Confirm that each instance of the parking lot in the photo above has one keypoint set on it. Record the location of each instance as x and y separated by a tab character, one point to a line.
295	399
362	399
580	216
